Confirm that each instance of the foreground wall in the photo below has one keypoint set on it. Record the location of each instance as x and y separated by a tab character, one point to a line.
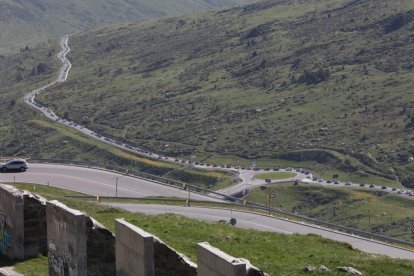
140	253
22	223
77	245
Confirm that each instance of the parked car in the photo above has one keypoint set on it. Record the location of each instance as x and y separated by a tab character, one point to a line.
348	183
15	164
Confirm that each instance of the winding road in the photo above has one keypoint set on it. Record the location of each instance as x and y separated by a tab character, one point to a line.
246	175
100	182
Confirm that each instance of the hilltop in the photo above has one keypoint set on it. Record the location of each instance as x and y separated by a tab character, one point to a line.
259	81
29	22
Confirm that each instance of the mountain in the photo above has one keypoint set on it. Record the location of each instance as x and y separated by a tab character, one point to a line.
322	81
24	22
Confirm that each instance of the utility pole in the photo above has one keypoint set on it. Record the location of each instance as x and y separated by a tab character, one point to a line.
268	203
188	199
369	218
116	187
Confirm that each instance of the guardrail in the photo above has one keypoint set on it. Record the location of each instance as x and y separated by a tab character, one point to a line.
235	201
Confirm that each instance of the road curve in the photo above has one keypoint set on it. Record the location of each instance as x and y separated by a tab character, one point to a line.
94	182
272	224
101	182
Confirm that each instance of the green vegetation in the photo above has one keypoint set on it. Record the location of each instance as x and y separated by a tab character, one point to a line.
25	133
275	175
319	81
32	267
29	22
276	254
377	212
225	86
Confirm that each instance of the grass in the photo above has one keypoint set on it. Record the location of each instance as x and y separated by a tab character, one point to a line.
275	175
377	212
31	267
276	254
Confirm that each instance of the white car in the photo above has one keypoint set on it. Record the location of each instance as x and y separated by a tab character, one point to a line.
16	164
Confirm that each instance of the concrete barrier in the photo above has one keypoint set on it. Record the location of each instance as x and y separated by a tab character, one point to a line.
213	262
22	223
140	253
77	244
134	250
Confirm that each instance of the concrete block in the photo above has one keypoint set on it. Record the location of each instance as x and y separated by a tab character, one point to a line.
140	253
214	262
134	250
66	235
77	244
22	223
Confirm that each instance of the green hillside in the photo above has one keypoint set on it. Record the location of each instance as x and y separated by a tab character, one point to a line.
29	22
266	80
372	211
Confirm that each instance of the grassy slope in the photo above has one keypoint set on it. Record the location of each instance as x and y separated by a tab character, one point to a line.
276	254
275	175
222	82
25	133
28	22
390	215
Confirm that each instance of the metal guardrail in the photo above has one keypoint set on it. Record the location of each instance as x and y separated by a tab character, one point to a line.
235	200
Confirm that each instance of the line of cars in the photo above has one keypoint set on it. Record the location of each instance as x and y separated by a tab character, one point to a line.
315	180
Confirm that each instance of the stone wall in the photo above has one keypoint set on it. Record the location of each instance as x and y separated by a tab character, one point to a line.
22	223
77	245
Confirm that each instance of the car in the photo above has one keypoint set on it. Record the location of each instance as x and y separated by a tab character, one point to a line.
372	186
362	185
384	187
348	183
336	182
15	164
394	189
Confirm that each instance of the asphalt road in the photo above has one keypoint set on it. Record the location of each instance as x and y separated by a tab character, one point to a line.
94	182
100	182
266	223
